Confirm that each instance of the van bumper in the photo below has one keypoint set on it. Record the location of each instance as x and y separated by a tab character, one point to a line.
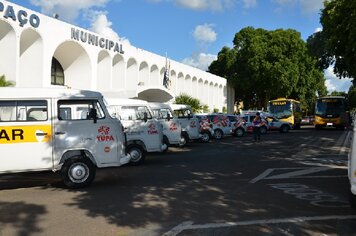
125	159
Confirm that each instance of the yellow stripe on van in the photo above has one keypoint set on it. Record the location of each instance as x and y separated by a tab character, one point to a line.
25	134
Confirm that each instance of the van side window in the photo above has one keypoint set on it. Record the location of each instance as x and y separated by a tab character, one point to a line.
23	110
79	109
182	113
135	113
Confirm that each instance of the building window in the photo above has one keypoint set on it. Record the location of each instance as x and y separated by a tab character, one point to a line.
57	73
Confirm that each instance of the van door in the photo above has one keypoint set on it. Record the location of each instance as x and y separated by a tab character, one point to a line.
25	135
77	129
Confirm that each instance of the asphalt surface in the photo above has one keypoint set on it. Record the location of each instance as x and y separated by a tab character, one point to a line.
287	184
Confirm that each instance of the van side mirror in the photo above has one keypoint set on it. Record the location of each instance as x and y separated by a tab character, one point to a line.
189	116
145	116
168	117
93	114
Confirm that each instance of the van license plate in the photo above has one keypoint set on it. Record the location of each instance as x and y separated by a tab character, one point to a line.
329	124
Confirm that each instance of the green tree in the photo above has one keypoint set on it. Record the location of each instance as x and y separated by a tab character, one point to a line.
4	82
264	65
352	98
188	100
338	19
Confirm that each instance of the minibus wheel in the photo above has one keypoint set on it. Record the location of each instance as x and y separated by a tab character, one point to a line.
218	134
263	130
205	137
137	154
239	132
78	172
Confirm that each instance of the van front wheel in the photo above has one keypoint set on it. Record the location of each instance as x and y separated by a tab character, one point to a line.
137	154
78	172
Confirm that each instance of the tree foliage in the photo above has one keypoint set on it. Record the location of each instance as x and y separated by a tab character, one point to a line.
264	65
338	19
188	100
4	82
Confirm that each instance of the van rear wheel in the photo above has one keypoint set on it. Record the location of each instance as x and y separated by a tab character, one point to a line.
137	154
78	172
205	137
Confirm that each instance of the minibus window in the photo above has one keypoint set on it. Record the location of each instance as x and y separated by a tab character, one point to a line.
23	110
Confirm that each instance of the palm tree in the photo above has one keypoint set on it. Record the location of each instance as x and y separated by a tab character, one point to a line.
188	100
4	83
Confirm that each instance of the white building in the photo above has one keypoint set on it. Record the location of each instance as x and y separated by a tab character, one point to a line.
40	51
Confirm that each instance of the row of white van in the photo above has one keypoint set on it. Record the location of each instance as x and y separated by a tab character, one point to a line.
76	131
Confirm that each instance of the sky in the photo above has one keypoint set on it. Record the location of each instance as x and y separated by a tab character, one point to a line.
188	31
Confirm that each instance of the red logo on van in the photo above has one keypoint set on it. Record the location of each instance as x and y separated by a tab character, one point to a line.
192	124
104	134
152	129
173	126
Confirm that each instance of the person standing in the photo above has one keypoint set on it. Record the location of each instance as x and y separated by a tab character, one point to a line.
256	123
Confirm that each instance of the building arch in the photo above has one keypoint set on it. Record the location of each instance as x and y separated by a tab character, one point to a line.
216	103
211	95
187	87
76	64
103	81
118	72
8	51
154	75
131	74
180	83
31	59
194	87
144	74
173	79
201	90
206	93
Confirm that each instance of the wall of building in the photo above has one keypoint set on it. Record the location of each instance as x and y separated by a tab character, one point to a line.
29	40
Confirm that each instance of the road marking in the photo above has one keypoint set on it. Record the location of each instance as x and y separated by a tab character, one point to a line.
187	225
297	172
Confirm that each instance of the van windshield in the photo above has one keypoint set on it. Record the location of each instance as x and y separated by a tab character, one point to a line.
135	113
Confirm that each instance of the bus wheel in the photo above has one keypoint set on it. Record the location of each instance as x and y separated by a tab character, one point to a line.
239	132
137	154
78	172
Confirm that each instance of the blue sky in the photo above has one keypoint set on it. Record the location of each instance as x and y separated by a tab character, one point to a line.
188	31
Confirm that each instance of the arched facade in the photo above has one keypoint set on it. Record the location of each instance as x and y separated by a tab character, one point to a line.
47	52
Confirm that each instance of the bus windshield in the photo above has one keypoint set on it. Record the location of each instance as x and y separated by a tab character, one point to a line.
280	109
332	107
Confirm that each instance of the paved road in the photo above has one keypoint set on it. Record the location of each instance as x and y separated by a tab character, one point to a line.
287	184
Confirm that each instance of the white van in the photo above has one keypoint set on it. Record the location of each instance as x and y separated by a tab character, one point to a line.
172	130
144	133
352	168
190	124
62	130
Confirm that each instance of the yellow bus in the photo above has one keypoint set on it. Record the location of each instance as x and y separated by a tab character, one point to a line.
330	111
287	110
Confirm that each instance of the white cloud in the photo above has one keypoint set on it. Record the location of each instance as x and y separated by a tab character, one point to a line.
101	25
319	29
204	33
310	6
200	60
333	83
68	10
307	6
249	3
215	5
